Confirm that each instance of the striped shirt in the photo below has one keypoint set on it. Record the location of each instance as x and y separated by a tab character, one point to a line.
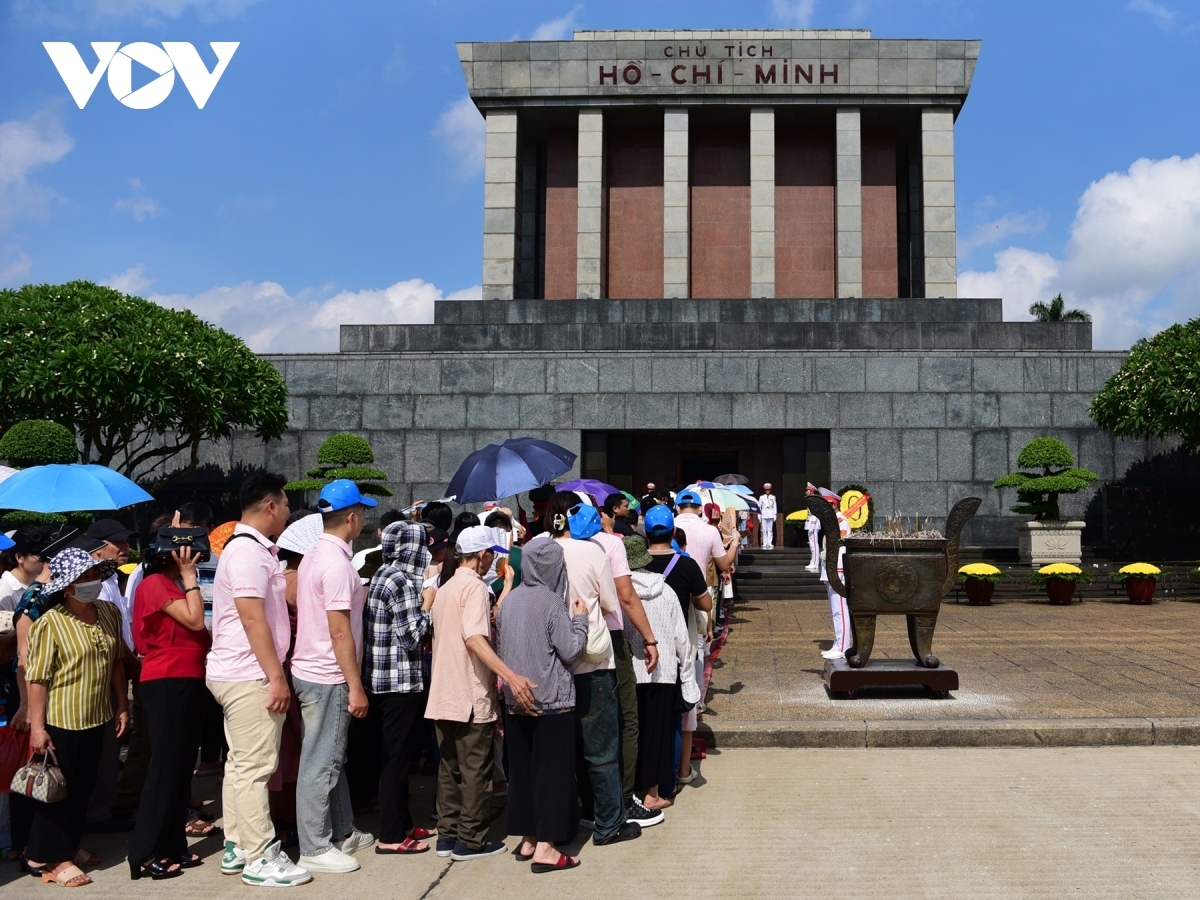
74	660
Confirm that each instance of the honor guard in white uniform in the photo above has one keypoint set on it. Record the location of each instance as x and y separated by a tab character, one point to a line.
768	508
842	631
813	528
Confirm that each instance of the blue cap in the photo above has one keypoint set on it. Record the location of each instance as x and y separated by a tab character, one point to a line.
688	498
6	543
659	520
584	521
340	494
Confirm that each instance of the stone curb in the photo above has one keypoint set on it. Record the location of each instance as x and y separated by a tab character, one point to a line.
870	733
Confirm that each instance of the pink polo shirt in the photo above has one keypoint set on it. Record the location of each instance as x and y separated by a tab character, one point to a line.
326	580
248	567
703	540
618	562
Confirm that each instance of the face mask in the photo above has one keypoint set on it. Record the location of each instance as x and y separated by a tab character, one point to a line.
87	591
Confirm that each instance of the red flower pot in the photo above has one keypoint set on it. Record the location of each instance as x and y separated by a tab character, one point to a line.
979	593
1060	591
1140	590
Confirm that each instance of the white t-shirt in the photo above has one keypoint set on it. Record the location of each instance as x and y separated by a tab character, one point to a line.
767	506
110	590
11	591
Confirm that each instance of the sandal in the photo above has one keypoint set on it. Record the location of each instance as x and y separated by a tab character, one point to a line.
407	847
68	877
86	858
190	860
423	834
156	869
564	862
199	828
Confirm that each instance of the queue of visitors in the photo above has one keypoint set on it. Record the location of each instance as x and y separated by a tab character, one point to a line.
556	662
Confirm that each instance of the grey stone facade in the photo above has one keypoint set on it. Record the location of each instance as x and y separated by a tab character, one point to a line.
920	429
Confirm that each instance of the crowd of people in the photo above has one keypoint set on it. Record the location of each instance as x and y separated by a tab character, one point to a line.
556	661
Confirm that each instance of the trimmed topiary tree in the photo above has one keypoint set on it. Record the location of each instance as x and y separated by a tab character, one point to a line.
344	456
38	442
1038	491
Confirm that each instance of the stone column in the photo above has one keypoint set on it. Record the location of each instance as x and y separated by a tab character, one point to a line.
527	190
941	252
676	268
501	220
589	249
762	202
849	203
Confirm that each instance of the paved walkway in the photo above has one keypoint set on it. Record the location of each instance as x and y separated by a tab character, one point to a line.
1096	823
1015	661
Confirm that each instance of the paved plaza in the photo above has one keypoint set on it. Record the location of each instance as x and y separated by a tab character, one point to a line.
1092	822
1016	660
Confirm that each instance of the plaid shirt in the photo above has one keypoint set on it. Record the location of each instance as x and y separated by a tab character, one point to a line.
394	625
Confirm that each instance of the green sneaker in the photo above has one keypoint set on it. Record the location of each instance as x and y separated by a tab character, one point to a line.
233	860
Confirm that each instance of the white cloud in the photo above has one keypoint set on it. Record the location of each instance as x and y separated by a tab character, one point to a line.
996	230
142	206
797	13
1161	16
15	265
1133	258
271	320
462	131
558	29
132	281
26	145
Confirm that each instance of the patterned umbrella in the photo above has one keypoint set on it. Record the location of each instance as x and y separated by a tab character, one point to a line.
731	479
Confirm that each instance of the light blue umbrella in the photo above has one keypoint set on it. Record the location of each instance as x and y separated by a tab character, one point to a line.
67	488
740	489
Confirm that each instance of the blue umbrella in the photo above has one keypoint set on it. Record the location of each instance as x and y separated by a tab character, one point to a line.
66	488
740	489
506	469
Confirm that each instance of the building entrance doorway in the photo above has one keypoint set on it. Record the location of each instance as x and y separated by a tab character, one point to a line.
628	460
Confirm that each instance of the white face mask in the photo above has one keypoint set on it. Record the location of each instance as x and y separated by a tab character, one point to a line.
87	591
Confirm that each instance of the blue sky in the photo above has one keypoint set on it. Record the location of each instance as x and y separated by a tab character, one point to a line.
335	172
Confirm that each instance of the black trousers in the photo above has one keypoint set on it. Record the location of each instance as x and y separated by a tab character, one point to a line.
541	775
364	758
656	735
174	710
57	827
400	716
212	731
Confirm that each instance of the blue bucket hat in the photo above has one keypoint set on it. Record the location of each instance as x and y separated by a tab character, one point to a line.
341	494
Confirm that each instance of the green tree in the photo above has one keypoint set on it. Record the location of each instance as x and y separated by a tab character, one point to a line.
37	442
1055	311
1038	491
344	456
1156	392
139	382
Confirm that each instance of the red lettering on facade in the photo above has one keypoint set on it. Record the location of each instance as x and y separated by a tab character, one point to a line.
750	50
698	73
761	77
604	76
632	73
826	73
675	74
806	74
767	51
669	52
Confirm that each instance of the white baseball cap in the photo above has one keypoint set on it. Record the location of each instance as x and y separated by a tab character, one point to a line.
479	538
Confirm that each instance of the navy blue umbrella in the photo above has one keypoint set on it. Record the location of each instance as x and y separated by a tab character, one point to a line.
508	468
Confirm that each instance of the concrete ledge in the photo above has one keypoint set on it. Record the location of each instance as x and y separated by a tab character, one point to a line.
1112	732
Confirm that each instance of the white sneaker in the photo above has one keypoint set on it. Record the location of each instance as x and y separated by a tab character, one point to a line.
333	861
833	654
274	869
812	568
358	840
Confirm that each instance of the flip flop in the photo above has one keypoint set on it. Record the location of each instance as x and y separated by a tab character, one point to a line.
522	857
564	862
423	834
407	847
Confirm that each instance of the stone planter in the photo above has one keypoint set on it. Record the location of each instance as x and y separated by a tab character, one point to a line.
1047	542
979	593
1141	590
1061	591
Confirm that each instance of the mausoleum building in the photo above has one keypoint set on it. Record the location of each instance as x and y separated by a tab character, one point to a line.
712	251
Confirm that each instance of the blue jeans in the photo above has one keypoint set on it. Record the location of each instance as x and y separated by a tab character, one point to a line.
598	743
323	810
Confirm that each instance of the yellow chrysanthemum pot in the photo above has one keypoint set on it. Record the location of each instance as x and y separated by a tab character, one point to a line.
1141	581
979	582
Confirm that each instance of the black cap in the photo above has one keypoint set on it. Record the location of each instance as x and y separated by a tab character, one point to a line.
66	536
436	539
109	530
538	494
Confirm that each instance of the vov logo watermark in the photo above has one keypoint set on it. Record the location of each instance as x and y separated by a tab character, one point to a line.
118	60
